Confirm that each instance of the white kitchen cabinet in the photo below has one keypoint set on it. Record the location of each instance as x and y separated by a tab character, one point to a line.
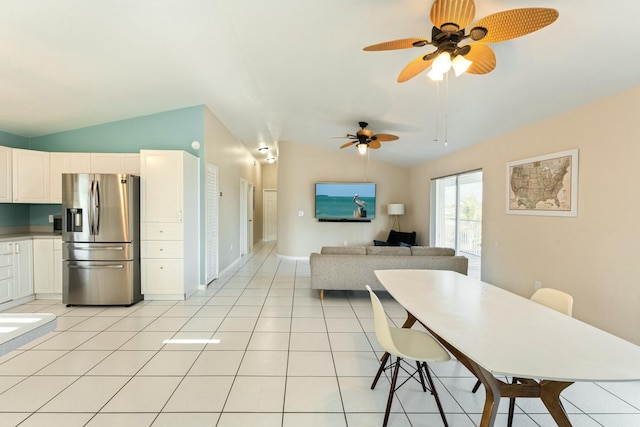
57	266
6	176
115	163
23	268
43	266
169	230
60	163
6	271
16	269
47	261
30	176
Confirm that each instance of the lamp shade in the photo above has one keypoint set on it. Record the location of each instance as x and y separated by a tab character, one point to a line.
395	209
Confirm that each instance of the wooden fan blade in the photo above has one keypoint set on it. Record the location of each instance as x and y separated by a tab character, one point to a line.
460	12
374	144
397	44
483	58
510	24
385	137
347	144
414	68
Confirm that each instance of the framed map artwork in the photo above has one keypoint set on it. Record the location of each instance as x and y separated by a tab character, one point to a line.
544	185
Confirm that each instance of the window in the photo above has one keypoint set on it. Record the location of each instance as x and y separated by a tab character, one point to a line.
456	216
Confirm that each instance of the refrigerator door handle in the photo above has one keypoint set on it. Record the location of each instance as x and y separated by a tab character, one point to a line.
92	204
101	248
91	267
97	207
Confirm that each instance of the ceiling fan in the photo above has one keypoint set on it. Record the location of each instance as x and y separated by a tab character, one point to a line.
450	18
364	139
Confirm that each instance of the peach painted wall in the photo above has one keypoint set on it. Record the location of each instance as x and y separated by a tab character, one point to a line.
594	256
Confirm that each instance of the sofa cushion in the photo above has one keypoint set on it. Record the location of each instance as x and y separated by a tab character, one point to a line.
344	250
388	250
432	251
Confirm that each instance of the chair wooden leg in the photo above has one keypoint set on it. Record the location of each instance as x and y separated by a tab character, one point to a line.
435	394
476	387
392	390
321	294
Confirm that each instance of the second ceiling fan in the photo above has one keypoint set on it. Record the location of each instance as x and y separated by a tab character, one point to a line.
365	139
450	18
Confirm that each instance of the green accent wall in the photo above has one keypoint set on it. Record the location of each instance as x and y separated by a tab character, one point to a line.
14	141
171	130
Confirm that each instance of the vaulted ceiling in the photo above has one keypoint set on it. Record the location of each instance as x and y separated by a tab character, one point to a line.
291	70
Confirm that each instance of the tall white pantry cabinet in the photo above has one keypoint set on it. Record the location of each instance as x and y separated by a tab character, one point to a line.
170	219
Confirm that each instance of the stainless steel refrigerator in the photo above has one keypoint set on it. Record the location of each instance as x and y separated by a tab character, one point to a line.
101	239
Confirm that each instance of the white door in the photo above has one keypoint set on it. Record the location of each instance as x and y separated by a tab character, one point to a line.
211	189
270	215
246	216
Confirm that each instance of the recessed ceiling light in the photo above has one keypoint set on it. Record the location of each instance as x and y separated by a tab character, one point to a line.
263	149
271	159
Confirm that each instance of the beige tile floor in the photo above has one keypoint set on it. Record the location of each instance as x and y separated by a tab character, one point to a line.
282	359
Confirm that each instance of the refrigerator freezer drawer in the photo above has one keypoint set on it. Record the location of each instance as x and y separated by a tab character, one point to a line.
100	283
73	251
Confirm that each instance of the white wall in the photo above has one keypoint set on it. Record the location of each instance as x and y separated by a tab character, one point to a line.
593	256
300	166
234	162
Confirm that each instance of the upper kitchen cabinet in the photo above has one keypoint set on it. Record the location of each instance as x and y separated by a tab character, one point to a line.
30	176
115	163
60	163
6	187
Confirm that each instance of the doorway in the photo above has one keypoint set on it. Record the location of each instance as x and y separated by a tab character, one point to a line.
456	216
270	197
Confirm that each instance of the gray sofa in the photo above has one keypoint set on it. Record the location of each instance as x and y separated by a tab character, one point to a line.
352	267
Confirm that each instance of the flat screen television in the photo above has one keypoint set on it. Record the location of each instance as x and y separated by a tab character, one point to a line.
345	201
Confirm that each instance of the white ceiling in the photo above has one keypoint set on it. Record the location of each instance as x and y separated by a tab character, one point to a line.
292	70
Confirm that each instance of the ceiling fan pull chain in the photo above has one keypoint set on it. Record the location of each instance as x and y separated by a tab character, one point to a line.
437	109
446	109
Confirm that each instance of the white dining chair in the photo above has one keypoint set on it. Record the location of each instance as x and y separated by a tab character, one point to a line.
554	299
404	343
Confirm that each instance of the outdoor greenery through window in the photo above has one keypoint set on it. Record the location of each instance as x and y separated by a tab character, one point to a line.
456	216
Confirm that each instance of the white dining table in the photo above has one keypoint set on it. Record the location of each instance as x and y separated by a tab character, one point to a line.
496	333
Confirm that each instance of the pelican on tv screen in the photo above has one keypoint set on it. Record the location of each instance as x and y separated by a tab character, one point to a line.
345	201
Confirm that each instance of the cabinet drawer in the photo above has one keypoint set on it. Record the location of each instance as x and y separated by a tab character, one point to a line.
6	248
161	231
6	272
162	277
161	249
6	260
6	290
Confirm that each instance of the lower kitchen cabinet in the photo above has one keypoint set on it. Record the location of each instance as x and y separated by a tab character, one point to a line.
16	270
47	260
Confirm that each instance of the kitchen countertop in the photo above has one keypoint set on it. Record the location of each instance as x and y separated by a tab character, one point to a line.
29	235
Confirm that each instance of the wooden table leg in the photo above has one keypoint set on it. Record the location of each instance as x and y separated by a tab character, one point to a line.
547	391
550	395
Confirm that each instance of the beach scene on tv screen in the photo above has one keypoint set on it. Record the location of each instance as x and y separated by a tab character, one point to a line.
346	200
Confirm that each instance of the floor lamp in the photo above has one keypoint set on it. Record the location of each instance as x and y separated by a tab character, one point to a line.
395	210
